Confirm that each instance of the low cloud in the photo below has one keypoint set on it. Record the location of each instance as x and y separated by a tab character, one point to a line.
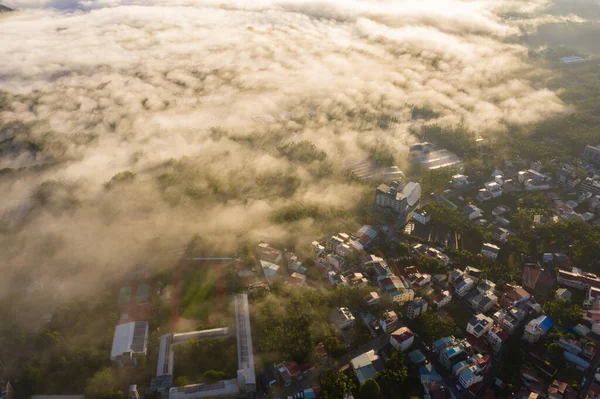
194	97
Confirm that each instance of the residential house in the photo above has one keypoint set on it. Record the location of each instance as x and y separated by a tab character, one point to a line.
294	265
514	295
561	390
591	185
481	303
372	298
421	216
470	376
379	265
473	273
432	382
473	212
538	280
397	288
317	248
388	321
536	328
453	354
402	339
486	286
344	318
459	181
501	234
367	365
506	321
494	187
496	338
337	279
364	238
442	299
416	307
454	275
463	285
334	260
265	252
500	210
484	195
460	366
402	295
357	280
490	251
298	279
564	294
591	154
419	280
479	325
569	345
566	176
417	357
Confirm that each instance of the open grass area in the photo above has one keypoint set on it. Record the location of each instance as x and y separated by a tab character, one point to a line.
142	293
198	293
124	295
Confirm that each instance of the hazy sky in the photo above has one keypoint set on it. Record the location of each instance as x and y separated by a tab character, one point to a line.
106	86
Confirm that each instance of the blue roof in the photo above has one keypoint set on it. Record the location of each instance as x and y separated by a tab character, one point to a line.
453	351
428	373
546	324
576	359
416	356
441	342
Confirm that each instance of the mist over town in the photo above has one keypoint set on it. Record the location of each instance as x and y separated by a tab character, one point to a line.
223	168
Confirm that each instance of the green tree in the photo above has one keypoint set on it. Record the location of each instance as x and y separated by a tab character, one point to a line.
555	351
394	375
562	313
103	385
335	385
369	389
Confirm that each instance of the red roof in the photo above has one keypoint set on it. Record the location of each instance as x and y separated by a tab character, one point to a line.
516	293
402	334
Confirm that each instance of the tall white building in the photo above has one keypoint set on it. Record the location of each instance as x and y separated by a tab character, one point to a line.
397	197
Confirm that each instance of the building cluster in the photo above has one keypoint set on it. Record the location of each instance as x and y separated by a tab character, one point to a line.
465	363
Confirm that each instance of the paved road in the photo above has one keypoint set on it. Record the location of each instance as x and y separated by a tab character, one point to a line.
589	378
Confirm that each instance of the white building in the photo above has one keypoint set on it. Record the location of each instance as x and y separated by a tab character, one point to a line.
473	212
463	285
130	339
443	299
388	321
337	279
402	339
417	307
496	338
345	318
391	197
402	295
490	251
421	216
479	325
470	376
501	234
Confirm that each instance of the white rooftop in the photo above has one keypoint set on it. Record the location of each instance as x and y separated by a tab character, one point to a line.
129	337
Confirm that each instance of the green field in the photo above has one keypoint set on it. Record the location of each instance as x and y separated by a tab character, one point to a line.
142	293
124	295
198	294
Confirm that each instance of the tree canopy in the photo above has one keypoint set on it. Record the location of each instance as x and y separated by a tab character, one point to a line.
369	389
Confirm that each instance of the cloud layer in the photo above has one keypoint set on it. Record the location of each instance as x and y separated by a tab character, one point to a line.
194	97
